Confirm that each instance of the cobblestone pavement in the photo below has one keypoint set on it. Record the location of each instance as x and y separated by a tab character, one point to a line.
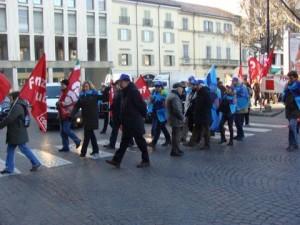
255	183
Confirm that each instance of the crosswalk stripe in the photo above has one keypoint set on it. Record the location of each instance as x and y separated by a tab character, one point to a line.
267	125
227	134
49	160
253	129
2	166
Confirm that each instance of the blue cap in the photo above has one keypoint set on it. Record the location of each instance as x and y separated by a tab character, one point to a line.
200	82
124	77
235	79
192	80
158	84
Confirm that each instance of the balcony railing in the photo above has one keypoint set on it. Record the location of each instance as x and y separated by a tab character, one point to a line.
186	61
147	22
124	20
218	62
169	24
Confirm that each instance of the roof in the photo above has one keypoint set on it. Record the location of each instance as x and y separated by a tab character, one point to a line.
160	2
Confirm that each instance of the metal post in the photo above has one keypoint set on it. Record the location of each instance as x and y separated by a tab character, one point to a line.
268	27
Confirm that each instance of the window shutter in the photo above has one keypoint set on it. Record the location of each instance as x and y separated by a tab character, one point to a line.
119	34
129	35
152	60
143	60
129	60
172	38
151	36
120	59
165	37
165	60
143	36
173	60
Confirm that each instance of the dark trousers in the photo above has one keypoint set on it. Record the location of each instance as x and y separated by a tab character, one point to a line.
114	133
161	126
176	136
239	121
125	142
105	124
256	99
154	125
229	119
246	117
199	131
89	135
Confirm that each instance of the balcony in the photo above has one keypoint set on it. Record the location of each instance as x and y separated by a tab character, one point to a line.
218	62
169	24
186	61
147	22
124	20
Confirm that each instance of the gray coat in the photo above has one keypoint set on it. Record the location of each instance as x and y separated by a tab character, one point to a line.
16	131
174	109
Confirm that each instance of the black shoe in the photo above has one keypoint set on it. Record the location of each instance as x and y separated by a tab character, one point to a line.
94	153
113	163
189	144
5	171
222	141
108	146
292	148
238	138
35	168
151	145
205	147
143	164
176	154
82	155
167	143
103	132
230	143
63	150
78	144
181	152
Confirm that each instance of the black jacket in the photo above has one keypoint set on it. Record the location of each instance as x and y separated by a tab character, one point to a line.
291	108
116	107
202	112
88	103
133	111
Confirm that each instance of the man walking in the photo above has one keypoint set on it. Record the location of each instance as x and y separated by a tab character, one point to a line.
65	106
133	113
175	112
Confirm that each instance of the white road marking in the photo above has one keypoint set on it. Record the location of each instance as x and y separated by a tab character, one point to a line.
267	125
252	129
2	166
227	134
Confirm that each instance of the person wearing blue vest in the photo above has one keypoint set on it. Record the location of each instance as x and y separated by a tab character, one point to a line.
227	108
242	97
159	114
291	98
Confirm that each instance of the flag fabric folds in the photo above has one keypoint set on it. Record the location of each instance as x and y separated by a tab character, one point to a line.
4	87
143	87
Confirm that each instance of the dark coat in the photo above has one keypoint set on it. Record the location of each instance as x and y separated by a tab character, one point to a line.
291	108
174	109
116	107
133	111
202	112
16	131
88	103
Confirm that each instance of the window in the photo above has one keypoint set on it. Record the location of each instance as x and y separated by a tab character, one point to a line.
72	48
123	11
72	22
71	3
227	28
168	17
102	25
91	49
3	47
147	21
169	38
23	19
90	4
208	26
124	34
90	21
38	46
124	59
2	19
185	23
281	59
147	14
169	60
186	51
59	22
37	2
103	50
168	22
208	52
58	3
24	48
59	48
147	36
23	1
124	18
38	20
228	56
219	52
218	27
102	5
148	60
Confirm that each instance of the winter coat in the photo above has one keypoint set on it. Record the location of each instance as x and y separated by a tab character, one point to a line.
88	103
115	107
16	131
203	105
174	109
291	109
65	106
133	111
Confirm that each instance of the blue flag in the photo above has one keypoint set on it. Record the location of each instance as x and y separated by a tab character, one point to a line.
211	79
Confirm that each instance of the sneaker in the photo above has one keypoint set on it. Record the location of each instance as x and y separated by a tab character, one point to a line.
113	163
143	165
5	171
95	155
78	144
35	168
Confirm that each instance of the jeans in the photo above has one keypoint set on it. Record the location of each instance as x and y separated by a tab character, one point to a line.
154	125
89	135
114	133
66	133
293	136
10	158
239	120
161	126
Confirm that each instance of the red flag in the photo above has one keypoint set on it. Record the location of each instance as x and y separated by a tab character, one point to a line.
254	68
34	91
4	87
241	72
267	65
143	87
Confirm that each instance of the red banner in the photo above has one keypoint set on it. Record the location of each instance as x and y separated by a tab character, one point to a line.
143	87
4	87
267	65
254	68
34	91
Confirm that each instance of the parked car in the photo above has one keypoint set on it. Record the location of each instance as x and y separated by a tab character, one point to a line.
52	95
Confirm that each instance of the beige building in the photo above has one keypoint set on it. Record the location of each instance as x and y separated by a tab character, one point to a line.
159	36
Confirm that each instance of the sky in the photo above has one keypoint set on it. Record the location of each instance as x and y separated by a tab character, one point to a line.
228	5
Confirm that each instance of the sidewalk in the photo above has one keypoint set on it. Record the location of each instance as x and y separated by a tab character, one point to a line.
276	109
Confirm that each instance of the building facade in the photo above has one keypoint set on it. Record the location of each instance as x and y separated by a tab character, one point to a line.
159	36
65	30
